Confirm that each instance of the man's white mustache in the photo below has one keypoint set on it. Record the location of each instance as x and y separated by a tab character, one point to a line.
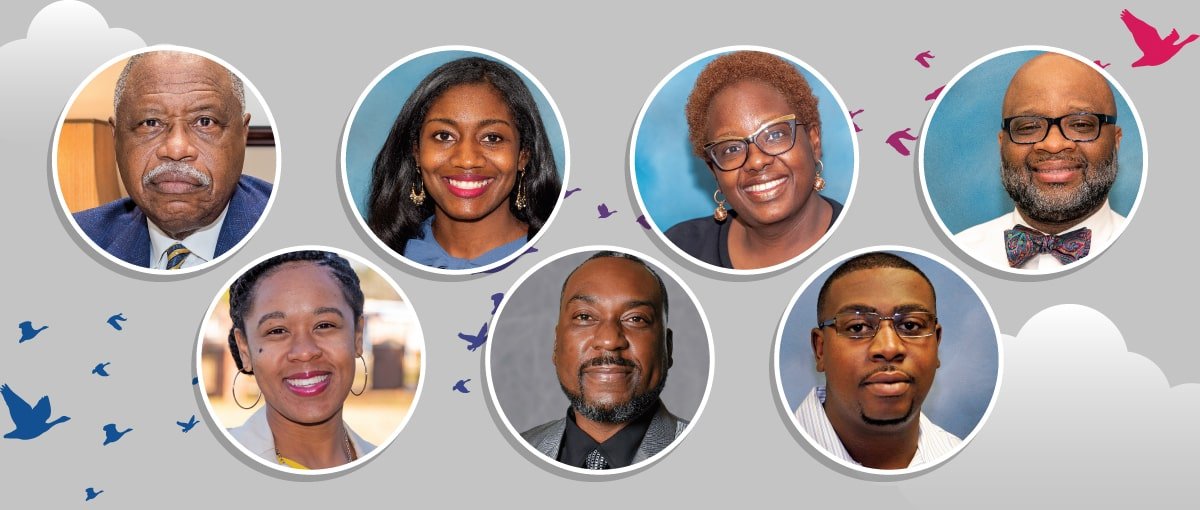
178	167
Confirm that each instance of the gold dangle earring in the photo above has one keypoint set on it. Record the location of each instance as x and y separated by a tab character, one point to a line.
233	391
520	202
819	182
417	198
366	377
720	213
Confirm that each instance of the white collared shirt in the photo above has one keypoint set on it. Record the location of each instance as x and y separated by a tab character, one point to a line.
933	443
985	241
255	435
202	243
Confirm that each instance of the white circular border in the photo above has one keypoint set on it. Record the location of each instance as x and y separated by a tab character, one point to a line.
62	202
363	460
362	222
792	413
1128	102
637	127
712	363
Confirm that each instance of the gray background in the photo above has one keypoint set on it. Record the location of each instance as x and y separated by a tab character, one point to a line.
522	341
1098	403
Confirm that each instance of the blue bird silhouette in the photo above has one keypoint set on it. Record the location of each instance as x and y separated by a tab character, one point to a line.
496	299
187	425
642	221
111	435
461	386
195	380
116	320
571	192
100	371
604	212
30	421
28	331
92	493
475	340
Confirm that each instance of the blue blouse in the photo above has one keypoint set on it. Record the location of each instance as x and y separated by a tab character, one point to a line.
427	251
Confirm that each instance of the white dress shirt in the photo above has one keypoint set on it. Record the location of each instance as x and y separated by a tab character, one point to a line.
256	436
202	243
933	443
985	241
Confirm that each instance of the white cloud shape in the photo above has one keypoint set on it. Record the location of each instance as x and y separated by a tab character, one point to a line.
1079	420
66	41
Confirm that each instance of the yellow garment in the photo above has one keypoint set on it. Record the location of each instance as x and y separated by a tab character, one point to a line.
289	462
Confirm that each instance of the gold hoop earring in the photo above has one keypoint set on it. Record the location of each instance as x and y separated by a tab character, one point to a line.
417	198
366	377
818	181
233	391
720	213
520	202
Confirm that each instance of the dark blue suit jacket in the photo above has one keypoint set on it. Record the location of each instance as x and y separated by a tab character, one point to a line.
119	227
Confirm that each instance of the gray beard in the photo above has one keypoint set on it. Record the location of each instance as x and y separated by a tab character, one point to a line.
1040	206
620	413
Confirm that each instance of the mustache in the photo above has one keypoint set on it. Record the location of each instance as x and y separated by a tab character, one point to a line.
606	360
176	167
1075	159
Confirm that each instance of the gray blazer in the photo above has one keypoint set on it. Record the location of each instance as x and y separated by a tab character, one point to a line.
664	428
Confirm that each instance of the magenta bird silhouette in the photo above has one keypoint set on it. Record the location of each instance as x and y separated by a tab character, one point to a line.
895	138
855	114
1102	64
31	422
923	58
1155	50
934	95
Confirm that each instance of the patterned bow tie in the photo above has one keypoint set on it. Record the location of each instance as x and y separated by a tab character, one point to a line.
1023	243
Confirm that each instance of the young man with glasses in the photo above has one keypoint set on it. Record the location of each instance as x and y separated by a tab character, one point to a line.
1058	151
876	341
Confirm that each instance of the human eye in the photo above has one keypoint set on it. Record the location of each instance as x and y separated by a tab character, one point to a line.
149	125
776	133
206	122
912	324
730	149
639	320
275	331
1026	125
443	137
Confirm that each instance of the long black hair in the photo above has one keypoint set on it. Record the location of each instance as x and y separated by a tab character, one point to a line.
392	215
241	293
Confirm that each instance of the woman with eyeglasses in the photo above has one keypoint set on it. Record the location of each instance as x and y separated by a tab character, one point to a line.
753	119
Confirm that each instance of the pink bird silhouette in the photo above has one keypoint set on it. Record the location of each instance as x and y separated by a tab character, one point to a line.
923	58
895	140
1101	64
934	95
854	114
1155	50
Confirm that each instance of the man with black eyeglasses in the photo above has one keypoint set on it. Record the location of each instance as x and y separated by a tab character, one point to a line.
876	341
1058	151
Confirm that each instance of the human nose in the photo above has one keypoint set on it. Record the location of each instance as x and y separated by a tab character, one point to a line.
177	145
756	158
303	348
467	155
1055	140
887	344
610	336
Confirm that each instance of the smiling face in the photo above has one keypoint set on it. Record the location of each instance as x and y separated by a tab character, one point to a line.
612	348
1058	180
766	189
469	152
876	384
180	139
301	340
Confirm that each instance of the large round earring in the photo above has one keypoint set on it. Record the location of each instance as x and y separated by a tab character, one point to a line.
233	391
720	213
417	198
818	181
366	377
520	202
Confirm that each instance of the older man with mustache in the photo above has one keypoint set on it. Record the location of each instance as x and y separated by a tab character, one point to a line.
876	340
180	131
612	351
1058	149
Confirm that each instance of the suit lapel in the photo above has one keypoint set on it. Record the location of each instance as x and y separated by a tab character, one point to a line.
131	240
660	435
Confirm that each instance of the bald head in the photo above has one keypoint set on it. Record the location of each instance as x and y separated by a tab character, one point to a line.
157	65
1051	81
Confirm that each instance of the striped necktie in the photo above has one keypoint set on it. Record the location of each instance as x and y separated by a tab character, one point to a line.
176	254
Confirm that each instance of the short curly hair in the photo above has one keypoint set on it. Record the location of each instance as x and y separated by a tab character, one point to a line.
739	66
